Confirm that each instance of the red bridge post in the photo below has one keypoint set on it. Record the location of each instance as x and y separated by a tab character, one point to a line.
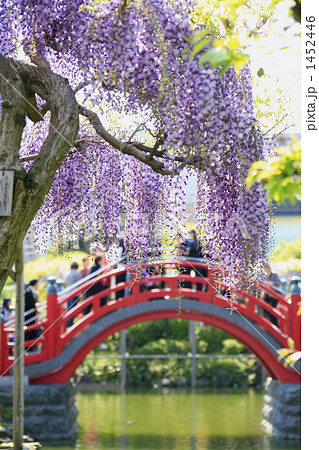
2	347
52	317
295	313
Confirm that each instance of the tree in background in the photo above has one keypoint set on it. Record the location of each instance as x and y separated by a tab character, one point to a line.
66	70
280	174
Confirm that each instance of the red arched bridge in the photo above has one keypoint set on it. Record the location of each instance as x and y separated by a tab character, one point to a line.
123	299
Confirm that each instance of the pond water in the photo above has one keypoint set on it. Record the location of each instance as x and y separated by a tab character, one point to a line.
172	419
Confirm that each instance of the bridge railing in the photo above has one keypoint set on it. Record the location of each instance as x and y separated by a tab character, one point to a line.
157	280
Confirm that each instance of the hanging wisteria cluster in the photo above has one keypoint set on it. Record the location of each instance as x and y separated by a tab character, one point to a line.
142	195
234	223
134	56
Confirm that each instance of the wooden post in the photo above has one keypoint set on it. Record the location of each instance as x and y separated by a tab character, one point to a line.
18	388
123	360
192	340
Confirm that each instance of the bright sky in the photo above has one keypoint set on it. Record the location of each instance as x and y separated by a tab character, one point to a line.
278	54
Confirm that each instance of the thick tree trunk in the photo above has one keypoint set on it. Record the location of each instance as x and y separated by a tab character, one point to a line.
17	78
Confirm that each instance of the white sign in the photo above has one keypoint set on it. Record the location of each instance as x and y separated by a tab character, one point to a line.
6	191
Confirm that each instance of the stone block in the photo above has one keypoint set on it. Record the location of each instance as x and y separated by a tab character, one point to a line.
45	409
288	393
282	409
292	410
50	411
285	422
277	433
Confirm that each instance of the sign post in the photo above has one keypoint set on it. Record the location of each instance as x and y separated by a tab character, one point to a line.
6	191
18	370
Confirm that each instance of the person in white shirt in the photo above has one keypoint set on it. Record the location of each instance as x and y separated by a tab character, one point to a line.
73	276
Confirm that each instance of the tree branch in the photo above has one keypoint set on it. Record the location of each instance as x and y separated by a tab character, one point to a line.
132	149
18	80
58	94
12	118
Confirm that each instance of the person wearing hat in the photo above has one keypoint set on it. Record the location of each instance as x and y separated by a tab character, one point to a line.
30	306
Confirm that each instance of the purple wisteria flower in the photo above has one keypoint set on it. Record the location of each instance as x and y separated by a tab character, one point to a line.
134	57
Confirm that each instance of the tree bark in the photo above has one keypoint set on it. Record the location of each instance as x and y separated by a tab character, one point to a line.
19	81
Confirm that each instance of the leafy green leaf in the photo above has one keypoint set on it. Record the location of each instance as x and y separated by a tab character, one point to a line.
215	57
280	175
200	46
234	4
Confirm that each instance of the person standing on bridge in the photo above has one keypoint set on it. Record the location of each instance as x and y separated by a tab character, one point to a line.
95	288
86	269
73	276
30	307
271	280
194	250
121	261
6	312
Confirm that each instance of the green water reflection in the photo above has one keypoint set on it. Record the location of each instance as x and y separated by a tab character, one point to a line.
172	419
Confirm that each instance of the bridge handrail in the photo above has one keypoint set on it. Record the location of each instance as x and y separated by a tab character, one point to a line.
162	277
90	276
84	284
40	308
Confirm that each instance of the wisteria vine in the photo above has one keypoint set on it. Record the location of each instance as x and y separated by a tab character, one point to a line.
135	57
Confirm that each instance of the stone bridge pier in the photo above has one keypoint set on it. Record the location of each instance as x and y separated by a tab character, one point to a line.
282	409
50	412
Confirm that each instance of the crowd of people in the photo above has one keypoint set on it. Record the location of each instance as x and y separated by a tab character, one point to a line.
101	259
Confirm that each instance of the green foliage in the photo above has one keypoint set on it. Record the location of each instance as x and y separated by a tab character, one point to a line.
42	267
142	334
237	370
232	347
202	346
139	372
100	370
149	372
222	29
52	264
167	336
280	175
287	250
8	290
213	338
5	415
164	347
